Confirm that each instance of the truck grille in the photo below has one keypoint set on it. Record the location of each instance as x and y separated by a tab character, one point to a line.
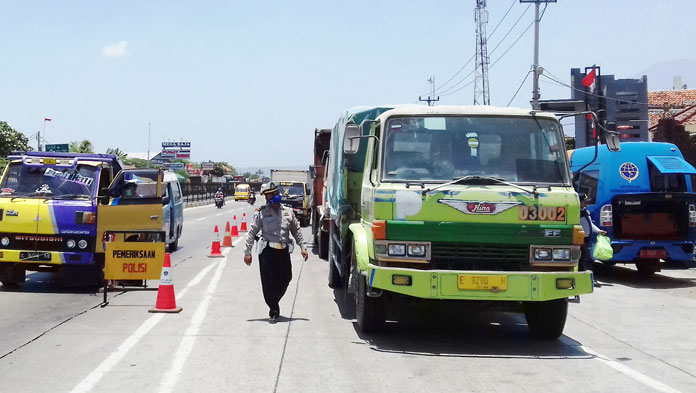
467	256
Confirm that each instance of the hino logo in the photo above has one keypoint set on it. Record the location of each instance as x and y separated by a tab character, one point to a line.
477	207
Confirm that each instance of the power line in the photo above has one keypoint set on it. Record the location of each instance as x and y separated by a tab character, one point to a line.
518	89
592	94
512	28
472	57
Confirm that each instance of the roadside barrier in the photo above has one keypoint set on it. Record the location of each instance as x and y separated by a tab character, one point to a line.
243	228
215	249
235	231
166	300
227	240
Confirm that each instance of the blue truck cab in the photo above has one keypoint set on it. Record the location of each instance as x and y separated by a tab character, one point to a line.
643	198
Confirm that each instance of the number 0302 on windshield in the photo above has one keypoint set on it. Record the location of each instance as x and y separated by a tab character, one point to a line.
542	213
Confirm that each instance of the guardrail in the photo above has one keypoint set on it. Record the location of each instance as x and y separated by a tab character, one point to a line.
194	192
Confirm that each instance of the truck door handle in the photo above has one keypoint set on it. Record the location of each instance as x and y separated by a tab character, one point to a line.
154	217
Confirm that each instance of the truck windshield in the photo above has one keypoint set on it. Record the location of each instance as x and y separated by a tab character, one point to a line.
514	149
291	190
44	181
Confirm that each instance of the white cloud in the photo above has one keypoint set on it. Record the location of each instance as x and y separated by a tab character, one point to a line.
117	50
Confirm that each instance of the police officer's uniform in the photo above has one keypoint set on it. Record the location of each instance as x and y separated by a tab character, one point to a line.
274	249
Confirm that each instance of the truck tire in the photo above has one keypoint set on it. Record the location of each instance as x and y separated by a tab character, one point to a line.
546	319
369	311
323	245
334	275
175	244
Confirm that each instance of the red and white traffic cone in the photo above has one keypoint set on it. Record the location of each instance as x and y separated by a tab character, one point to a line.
235	231
166	301
227	240
215	249
243	228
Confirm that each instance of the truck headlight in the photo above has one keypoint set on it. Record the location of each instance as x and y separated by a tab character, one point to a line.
82	244
398	250
542	254
561	254
416	250
70	243
5	241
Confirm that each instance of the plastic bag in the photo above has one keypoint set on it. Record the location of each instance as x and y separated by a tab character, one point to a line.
602	249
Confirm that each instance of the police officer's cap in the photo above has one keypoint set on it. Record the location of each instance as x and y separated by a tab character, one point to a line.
269	188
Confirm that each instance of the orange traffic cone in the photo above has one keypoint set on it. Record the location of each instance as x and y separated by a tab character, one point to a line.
235	232
166	301
243	227
215	249
227	240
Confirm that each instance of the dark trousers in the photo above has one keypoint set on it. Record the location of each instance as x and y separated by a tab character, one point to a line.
585	257
276	273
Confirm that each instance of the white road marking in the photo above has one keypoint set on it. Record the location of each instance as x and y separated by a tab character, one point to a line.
202	218
95	376
189	340
651	383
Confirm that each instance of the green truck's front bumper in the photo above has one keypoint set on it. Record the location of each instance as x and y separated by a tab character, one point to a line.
443	284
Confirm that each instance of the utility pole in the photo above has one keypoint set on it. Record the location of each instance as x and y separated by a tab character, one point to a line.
429	100
148	141
535	68
481	89
38	140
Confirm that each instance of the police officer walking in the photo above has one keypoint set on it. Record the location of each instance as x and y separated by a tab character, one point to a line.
275	222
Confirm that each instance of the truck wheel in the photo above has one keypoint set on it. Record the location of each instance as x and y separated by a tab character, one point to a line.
647	268
323	245
334	275
175	244
546	319
369	311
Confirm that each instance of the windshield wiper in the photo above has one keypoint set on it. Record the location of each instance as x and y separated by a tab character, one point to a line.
71	196
474	178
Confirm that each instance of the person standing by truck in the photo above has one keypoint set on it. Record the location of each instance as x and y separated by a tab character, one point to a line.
591	232
275	222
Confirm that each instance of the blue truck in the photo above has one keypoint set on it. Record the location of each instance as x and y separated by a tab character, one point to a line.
643	198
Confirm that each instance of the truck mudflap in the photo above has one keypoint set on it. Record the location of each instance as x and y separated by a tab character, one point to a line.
480	285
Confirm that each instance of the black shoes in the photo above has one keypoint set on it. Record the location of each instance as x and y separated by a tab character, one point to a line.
273	320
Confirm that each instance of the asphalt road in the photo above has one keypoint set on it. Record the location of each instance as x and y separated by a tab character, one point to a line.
632	334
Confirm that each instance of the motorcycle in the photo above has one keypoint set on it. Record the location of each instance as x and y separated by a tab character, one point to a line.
219	202
252	199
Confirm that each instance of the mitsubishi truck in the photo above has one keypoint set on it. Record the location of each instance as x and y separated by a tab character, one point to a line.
293	186
454	203
320	220
58	211
643	198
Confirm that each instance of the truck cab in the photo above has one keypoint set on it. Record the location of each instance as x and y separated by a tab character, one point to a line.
55	209
643	198
454	203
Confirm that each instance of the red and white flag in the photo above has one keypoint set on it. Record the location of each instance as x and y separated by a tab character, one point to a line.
588	80
47	119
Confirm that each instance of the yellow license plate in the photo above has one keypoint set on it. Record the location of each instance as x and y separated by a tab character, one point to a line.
494	283
49	161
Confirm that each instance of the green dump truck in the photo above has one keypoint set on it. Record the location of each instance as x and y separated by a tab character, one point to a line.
455	203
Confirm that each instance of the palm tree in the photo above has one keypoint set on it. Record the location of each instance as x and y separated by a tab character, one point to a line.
117	152
81	147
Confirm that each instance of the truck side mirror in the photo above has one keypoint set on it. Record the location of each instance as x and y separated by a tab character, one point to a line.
351	140
165	200
312	172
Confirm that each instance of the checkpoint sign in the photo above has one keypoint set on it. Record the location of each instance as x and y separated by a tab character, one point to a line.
133	261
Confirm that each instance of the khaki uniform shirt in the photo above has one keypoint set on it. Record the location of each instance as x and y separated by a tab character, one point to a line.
275	226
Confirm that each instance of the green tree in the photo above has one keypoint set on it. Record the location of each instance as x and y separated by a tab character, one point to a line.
117	152
81	147
247	175
136	162
219	171
11	140
183	173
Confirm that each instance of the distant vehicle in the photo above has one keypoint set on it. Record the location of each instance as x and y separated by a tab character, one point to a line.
172	210
320	218
239	179
643	197
241	192
293	186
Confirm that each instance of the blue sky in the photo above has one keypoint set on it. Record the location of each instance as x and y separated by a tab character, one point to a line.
247	82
